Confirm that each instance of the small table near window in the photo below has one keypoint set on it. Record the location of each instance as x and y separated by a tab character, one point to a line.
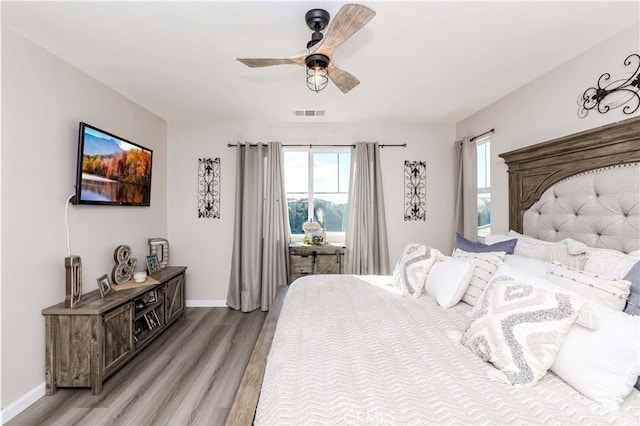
312	260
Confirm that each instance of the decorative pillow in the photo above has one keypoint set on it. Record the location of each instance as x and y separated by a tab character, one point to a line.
602	364
476	247
448	280
519	328
568	252
411	270
496	238
485	265
610	293
633	301
536	267
609	263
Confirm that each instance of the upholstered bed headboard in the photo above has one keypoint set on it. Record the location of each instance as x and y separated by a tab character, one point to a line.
584	186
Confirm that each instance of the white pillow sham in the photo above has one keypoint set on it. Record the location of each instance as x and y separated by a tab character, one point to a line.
485	265
610	293
609	263
536	267
568	252
602	364
448	280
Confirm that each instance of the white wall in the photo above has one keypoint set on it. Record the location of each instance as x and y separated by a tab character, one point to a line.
546	109
43	99
205	245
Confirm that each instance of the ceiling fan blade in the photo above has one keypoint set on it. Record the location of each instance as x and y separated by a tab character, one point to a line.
268	62
342	79
349	19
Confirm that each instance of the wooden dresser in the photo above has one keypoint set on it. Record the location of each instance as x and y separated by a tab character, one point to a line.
87	344
311	260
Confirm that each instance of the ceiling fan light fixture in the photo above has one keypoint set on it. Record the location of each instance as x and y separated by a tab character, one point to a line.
317	73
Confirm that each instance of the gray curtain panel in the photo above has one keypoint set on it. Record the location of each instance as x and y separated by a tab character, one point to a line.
259	263
466	211
367	251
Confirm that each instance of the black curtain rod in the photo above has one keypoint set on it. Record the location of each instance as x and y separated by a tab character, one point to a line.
482	134
403	145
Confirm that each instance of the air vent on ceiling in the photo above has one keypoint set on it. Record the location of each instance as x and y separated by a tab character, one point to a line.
309	112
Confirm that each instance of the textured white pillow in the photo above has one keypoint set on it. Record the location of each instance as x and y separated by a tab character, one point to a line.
568	252
519	328
610	293
411	270
602	364
536	267
448	280
485	265
609	263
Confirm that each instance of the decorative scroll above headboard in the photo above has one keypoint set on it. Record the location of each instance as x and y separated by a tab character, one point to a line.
535	168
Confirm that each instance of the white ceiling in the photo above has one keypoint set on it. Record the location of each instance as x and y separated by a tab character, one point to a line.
417	61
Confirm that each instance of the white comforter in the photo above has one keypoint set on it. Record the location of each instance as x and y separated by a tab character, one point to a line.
349	350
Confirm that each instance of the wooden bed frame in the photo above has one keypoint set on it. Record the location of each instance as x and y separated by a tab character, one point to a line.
532	170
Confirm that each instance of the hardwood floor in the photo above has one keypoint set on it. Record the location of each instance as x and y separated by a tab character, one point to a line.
189	375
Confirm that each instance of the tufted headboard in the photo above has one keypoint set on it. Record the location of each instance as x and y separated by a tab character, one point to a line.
584	186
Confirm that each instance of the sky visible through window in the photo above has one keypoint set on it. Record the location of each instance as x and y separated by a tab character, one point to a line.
484	187
317	185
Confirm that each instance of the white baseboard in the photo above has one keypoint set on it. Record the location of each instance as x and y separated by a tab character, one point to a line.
200	303
18	406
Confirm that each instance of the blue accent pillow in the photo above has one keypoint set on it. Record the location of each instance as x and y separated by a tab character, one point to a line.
634	297
475	247
633	275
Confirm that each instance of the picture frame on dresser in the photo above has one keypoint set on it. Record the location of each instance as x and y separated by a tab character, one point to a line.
152	319
152	264
104	285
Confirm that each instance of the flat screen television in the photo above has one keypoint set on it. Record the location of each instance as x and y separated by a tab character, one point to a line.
111	170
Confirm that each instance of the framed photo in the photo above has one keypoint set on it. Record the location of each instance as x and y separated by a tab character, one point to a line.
152	264
150	297
152	320
104	285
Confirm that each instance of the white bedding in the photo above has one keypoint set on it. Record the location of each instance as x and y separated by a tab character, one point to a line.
348	350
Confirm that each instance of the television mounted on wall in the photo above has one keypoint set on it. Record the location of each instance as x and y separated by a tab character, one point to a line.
111	170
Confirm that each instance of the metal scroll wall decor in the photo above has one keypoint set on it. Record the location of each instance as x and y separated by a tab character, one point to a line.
415	190
614	91
209	188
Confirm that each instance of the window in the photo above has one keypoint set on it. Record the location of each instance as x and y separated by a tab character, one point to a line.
483	147
317	186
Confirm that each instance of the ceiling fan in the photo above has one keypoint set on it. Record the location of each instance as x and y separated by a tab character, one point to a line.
318	56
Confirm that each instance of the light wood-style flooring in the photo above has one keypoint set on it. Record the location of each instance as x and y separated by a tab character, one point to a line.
189	375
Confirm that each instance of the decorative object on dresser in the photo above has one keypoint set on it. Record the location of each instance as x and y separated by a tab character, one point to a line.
152	264
140	277
312	260
313	233
125	264
209	188
415	190
73	287
89	343
160	248
104	286
611	94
